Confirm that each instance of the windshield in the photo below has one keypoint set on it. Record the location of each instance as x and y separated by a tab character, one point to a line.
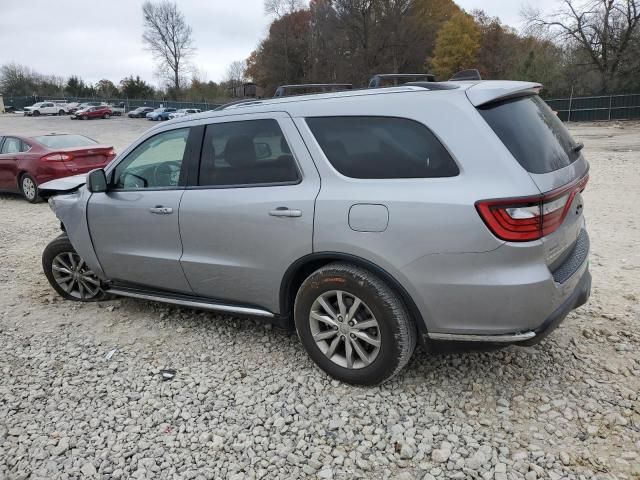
532	132
64	141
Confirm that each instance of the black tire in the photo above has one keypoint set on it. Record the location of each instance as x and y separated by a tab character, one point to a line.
396	330
36	113
106	116
29	188
61	112
62	245
84	117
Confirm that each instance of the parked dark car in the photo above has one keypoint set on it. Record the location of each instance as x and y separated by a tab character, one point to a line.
102	111
26	162
140	112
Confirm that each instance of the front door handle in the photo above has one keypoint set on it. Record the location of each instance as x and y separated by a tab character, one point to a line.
160	210
285	212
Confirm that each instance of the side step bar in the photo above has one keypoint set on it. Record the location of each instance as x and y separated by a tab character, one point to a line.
503	338
192	303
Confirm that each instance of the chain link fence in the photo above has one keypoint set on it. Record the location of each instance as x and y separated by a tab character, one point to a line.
603	107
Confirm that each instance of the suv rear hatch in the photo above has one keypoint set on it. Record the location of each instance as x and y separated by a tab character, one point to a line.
542	145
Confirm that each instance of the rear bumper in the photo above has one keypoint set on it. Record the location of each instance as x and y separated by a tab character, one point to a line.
578	298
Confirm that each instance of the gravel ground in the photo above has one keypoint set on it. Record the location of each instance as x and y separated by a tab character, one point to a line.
246	402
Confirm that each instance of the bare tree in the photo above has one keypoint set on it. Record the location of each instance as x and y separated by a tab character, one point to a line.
236	73
603	29
280	8
168	37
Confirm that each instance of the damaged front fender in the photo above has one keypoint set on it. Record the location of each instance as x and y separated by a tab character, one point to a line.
71	210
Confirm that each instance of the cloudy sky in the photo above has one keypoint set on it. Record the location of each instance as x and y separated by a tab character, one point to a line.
103	38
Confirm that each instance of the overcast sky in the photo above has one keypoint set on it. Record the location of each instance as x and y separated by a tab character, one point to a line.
103	39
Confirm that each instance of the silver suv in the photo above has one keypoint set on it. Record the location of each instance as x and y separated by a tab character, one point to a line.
368	219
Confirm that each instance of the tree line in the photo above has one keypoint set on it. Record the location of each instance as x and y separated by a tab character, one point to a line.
584	46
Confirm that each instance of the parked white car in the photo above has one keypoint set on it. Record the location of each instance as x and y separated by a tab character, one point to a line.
46	108
183	112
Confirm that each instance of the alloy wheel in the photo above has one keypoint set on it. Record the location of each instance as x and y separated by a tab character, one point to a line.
344	329
29	188
74	276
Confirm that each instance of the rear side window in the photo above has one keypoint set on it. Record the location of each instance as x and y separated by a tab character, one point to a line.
382	147
532	132
252	152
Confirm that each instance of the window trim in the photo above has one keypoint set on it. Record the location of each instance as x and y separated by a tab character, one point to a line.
196	184
385	179
184	167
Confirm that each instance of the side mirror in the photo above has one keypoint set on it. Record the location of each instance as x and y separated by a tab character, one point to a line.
97	181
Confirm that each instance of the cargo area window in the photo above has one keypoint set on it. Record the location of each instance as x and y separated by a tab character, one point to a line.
532	132
381	147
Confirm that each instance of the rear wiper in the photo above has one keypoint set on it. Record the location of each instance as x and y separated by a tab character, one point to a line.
577	147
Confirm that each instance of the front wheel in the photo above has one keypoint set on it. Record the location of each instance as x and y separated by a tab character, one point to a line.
353	325
106	116
36	113
68	273
84	117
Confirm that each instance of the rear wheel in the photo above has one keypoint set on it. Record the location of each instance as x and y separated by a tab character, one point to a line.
61	112
353	325
68	273
29	188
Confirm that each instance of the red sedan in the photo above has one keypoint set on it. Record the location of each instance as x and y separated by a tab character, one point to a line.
26	162
100	111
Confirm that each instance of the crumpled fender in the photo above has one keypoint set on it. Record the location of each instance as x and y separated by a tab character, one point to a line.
71	210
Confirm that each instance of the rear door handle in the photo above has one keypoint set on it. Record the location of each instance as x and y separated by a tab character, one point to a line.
285	212
160	210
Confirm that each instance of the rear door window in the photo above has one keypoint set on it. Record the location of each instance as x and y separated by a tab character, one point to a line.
382	147
11	145
532	132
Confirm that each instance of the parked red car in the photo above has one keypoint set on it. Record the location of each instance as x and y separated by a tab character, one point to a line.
101	111
26	162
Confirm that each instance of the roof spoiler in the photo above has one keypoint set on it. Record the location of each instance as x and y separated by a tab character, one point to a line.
494	91
470	74
378	79
303	88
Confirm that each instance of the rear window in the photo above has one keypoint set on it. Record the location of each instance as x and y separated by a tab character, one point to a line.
382	147
64	141
532	132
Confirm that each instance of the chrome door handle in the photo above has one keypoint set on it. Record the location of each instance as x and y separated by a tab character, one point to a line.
285	212
159	210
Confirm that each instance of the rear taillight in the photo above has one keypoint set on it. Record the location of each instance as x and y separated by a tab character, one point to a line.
529	218
58	157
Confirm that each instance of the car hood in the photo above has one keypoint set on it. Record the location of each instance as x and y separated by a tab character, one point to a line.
62	185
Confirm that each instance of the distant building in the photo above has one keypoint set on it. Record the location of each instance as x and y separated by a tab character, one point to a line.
246	90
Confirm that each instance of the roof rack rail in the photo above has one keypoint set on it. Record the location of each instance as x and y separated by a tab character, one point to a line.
237	102
304	88
470	74
378	79
433	85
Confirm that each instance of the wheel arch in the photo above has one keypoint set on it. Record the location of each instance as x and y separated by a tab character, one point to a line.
299	270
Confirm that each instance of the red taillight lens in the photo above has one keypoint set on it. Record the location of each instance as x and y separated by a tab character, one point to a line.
529	218
57	157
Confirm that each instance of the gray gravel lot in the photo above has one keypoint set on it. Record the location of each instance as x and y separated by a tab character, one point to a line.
246	402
